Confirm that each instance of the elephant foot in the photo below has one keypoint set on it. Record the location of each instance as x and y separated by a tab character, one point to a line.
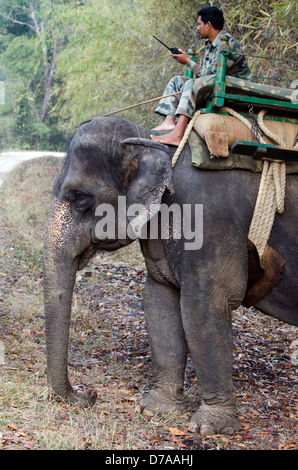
83	400
161	400
215	419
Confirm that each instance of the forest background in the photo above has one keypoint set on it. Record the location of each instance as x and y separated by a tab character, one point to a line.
62	62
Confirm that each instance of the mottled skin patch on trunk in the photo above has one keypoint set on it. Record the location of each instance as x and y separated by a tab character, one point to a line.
60	229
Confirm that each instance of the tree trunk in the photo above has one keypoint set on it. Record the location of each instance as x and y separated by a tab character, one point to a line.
49	75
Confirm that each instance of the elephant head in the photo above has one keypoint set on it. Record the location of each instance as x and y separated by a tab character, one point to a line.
103	164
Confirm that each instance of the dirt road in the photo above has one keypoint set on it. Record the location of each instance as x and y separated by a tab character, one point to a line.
9	160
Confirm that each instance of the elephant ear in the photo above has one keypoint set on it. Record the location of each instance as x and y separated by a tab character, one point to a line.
147	174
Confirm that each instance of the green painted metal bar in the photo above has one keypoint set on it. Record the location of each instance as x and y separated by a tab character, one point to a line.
188	71
220	77
217	99
253	99
269	58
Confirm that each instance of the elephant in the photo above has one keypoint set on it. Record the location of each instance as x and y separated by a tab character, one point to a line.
191	287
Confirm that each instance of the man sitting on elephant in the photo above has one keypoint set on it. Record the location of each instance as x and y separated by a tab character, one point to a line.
210	28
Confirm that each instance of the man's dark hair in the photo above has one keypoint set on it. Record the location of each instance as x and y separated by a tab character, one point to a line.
212	14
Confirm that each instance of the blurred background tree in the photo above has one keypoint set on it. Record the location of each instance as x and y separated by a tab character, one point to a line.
66	61
32	33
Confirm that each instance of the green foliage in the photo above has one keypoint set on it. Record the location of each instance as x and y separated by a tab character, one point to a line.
104	57
23	113
17	9
31	34
112	60
267	28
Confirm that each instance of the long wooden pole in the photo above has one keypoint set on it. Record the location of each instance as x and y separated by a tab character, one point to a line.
130	107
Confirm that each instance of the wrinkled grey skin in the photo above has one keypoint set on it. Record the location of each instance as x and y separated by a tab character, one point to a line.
188	294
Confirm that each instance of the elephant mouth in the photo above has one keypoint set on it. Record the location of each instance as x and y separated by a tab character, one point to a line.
109	245
86	255
98	246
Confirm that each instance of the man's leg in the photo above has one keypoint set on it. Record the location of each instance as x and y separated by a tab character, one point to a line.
193	90
168	106
174	137
185	111
167	125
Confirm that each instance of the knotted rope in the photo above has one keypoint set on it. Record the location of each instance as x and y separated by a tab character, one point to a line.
271	195
272	185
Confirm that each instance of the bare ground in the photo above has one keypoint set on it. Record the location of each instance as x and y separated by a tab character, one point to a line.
110	352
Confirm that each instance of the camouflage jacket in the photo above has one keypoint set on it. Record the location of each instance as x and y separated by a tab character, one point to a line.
236	64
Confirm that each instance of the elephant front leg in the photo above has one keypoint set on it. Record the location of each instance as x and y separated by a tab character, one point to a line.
168	348
209	337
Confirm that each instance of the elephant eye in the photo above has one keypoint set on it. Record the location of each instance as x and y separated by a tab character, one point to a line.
82	200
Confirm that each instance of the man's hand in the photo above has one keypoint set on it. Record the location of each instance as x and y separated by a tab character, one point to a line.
183	57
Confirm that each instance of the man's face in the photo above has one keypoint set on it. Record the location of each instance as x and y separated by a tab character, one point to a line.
203	28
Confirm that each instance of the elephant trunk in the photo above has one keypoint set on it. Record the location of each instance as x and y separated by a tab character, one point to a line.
60	267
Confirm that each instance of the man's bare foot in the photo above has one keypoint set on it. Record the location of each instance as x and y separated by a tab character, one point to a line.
164	127
167	125
174	137
167	139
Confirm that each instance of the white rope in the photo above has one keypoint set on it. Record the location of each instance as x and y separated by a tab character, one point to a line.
267	131
185	138
242	119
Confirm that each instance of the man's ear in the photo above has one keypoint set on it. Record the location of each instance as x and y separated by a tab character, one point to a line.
147	172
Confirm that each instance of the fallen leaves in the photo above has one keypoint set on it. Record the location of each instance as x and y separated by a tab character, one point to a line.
16	438
109	351
176	435
178	432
